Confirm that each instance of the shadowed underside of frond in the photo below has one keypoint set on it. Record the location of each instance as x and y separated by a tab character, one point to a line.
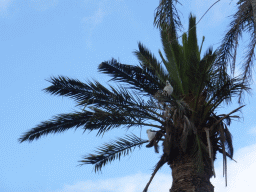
143	79
113	150
104	109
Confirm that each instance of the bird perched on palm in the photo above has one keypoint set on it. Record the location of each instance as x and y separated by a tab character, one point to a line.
154	137
168	89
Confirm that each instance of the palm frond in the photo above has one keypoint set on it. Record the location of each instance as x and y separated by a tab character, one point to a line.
159	164
58	124
170	64
148	60
224	91
222	139
64	86
167	17
141	79
228	141
111	109
113	150
94	93
106	120
242	21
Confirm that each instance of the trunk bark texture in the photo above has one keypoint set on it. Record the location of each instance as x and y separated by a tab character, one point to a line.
186	178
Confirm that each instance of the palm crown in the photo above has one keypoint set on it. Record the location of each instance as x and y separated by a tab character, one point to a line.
185	121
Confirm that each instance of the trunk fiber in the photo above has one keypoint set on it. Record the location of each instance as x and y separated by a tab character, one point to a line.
186	178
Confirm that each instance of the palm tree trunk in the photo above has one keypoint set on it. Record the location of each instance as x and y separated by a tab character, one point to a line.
253	3
186	178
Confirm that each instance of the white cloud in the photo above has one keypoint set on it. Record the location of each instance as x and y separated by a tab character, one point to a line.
240	174
240	178
132	183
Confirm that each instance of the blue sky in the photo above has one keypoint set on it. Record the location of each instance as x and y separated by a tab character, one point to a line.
44	38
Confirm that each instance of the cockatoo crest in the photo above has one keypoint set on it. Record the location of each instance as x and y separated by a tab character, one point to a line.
168	88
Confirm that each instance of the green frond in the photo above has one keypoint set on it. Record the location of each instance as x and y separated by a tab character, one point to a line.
170	64
141	79
194	53
113	150
202	44
148	60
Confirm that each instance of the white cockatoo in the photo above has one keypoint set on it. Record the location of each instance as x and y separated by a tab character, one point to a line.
151	134
168	88
152	140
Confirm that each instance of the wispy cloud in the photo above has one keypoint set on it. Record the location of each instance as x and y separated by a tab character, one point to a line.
91	22
240	178
104	9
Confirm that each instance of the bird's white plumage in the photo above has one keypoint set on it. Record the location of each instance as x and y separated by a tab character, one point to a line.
168	88
151	134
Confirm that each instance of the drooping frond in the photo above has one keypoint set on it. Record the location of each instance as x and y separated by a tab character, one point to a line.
223	90
143	79
167	17
108	109
57	124
242	22
159	164
224	142
113	150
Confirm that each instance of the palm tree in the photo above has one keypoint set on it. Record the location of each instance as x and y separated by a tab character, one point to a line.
185	121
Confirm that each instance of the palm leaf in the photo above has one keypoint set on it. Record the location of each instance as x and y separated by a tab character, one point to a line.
141	79
58	124
166	16
112	150
159	164
242	21
149	61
